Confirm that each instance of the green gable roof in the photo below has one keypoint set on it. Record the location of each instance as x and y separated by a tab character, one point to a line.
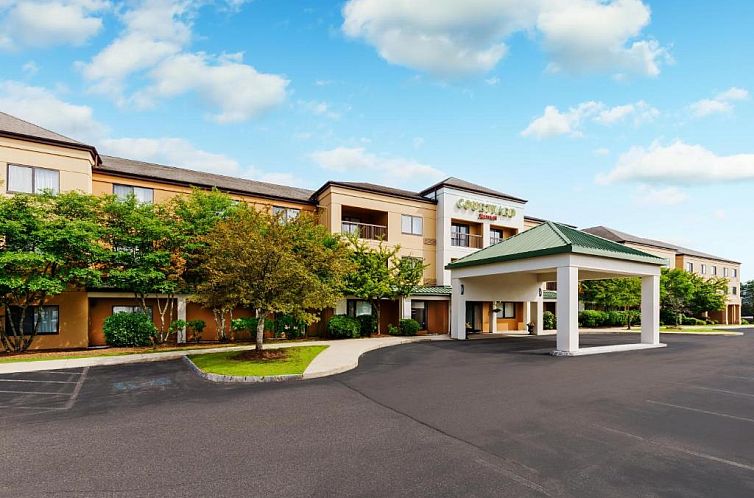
433	290
554	238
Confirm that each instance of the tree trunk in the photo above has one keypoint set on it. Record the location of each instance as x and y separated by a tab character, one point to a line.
260	329
377	305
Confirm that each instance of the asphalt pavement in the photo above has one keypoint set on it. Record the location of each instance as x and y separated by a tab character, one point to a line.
494	417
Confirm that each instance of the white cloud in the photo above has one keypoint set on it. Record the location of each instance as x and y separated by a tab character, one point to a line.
47	23
153	44
679	163
554	122
42	107
492	81
720	103
667	196
30	68
450	38
319	108
390	169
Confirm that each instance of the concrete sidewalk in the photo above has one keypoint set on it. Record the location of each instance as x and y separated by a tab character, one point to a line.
342	355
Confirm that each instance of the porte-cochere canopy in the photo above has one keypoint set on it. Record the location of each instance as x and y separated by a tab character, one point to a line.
516	269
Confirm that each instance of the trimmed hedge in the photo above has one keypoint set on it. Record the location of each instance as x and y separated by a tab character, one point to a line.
367	324
406	326
595	318
129	329
343	327
550	322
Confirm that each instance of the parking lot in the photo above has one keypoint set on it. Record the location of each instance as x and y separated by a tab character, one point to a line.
486	418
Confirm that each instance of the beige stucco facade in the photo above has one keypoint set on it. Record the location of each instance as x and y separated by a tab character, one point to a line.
709	268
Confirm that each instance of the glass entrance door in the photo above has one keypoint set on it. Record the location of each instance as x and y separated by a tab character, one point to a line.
473	316
419	313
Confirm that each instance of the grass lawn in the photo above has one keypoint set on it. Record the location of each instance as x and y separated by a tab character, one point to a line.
225	363
697	329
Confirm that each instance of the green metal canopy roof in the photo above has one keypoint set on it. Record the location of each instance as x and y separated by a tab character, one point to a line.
433	290
554	238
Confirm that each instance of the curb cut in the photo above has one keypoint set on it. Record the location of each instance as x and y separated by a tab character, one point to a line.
246	379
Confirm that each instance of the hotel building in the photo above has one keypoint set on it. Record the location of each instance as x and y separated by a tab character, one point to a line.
439	224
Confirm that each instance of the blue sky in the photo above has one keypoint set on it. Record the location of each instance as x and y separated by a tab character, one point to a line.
635	115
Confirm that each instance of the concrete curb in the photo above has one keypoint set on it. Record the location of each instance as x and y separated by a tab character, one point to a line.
249	379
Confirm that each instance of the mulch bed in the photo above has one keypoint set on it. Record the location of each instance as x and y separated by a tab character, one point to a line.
265	354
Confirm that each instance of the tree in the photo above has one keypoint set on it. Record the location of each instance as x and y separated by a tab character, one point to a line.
747	298
685	293
621	293
709	295
48	244
295	267
381	274
144	255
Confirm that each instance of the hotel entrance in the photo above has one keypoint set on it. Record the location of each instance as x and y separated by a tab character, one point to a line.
474	317
432	315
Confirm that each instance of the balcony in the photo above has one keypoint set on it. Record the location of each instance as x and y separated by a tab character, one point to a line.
472	241
364	230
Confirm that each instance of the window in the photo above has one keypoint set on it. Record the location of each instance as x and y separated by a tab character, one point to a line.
356	307
690	267
132	309
143	195
734	290
496	235
735	273
714	270
703	269
411	224
286	214
30	180
507	310
459	235
46	318
725	272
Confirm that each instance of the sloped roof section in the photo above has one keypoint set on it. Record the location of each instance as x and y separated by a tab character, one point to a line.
433	290
179	176
618	236
469	187
554	238
374	188
11	126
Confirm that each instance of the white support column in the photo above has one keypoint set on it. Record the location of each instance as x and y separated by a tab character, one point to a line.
567	309
527	314
493	318
181	314
650	309
539	318
458	310
405	305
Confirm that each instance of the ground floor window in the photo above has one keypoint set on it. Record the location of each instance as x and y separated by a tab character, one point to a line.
356	307
132	309
507	310
47	319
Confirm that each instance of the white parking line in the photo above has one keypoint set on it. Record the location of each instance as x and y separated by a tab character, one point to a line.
36	392
724	391
77	389
743	419
42	381
738	377
680	449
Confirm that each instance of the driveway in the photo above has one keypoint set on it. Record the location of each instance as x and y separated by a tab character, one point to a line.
492	417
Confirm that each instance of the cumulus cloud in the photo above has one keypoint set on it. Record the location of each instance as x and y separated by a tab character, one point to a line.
667	196
554	122
451	38
42	107
387	168
47	23
153	43
720	103
681	164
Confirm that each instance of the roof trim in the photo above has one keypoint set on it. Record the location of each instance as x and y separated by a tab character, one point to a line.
359	188
445	183
60	143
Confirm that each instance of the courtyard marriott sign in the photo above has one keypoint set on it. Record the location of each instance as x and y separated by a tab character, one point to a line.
486	211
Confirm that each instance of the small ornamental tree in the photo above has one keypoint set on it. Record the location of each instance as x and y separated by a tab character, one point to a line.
381	274
271	265
48	244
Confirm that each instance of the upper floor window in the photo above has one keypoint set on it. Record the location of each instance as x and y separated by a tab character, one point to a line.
703	269
734	290
725	272
286	214
714	270
690	267
412	225
735	273
32	180
142	195
496	235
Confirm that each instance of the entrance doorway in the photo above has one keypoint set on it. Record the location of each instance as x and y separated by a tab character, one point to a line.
473	316
419	313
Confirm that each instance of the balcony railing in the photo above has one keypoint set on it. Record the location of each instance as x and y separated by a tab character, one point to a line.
364	230
465	240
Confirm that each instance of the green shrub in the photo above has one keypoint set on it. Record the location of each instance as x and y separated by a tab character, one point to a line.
289	326
249	325
408	326
393	330
550	322
592	318
129	329
343	327
367	324
194	329
744	321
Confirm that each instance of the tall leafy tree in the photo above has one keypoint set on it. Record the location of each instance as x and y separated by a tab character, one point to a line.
380	274
747	298
48	244
685	293
295	267
614	293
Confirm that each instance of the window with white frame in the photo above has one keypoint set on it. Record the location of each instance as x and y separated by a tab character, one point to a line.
734	290
142	195
703	269
714	270
32	180
725	272
507	310
412	225
286	214
735	273
690	267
